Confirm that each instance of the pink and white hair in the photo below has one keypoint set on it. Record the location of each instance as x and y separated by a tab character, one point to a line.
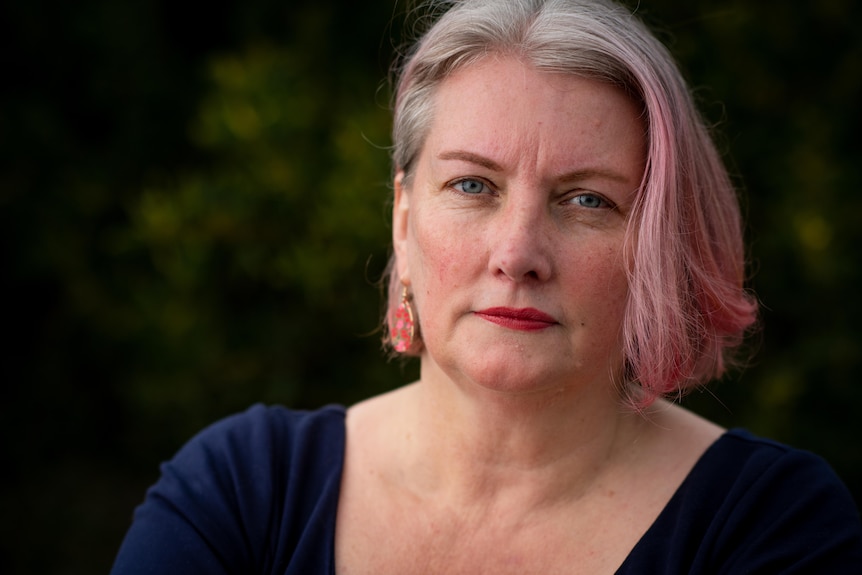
687	308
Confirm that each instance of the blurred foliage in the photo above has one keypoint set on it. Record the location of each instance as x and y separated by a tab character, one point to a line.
193	218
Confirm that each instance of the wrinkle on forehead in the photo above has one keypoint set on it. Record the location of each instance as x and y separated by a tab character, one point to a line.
531	143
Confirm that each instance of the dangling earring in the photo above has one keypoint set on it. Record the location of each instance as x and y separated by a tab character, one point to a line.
401	328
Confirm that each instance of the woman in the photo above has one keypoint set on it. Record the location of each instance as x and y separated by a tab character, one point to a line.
567	253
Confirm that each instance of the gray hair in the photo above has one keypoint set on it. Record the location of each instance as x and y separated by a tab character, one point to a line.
592	38
687	307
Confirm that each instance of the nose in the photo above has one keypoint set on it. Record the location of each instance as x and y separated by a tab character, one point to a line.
521	243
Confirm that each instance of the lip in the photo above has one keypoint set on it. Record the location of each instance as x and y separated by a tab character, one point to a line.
521	319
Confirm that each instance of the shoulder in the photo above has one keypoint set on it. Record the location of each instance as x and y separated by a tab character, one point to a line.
752	505
253	458
242	495
273	419
795	511
255	431
745	463
260	445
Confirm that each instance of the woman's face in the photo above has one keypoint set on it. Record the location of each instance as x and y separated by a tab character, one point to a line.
510	230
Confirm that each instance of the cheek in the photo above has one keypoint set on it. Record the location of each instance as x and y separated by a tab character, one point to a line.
599	281
439	255
613	280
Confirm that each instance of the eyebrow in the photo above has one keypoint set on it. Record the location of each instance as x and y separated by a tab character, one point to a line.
470	157
576	175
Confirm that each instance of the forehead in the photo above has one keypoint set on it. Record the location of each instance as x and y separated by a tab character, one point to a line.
506	109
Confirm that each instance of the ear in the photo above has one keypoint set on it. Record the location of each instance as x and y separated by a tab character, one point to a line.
400	225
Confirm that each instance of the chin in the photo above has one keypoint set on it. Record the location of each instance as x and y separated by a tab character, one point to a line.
520	379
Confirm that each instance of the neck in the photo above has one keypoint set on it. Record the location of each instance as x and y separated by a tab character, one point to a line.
473	444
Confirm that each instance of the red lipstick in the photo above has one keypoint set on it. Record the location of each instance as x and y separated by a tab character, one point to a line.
522	319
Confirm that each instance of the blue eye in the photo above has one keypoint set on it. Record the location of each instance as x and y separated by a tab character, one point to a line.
590	201
470	186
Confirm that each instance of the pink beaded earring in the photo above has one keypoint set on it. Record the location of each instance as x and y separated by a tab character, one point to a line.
401	327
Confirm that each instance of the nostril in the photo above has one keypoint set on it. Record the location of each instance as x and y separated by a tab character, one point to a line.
521	247
520	269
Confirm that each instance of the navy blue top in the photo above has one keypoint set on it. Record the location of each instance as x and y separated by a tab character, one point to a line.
257	493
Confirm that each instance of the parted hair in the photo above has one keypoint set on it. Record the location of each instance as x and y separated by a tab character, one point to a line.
687	310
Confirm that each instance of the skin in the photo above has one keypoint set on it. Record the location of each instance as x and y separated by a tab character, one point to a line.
551	185
513	453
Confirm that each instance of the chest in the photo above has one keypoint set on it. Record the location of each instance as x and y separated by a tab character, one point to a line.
390	536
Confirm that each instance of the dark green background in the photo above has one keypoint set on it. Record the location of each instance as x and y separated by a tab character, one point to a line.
193	216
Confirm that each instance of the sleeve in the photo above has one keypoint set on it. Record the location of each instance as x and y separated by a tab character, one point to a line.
793	516
211	508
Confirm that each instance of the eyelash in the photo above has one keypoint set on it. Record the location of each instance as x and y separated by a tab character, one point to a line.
458	183
605	203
